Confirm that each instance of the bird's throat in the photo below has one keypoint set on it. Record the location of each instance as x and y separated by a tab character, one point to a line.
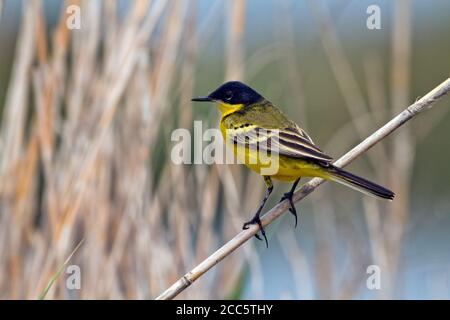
227	109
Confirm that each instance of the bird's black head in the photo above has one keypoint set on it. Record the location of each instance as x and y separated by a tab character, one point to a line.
232	93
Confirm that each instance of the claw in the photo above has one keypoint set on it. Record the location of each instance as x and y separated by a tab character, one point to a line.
257	220
292	210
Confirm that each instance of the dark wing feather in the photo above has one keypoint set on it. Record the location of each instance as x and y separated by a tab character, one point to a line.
284	142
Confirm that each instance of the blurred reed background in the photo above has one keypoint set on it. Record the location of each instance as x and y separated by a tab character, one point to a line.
86	120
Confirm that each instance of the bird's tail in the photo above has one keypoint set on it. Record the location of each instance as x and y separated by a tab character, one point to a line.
360	184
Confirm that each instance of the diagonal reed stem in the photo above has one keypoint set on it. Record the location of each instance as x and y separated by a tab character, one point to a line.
417	107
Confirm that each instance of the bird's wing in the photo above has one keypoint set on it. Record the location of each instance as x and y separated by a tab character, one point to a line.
264	127
287	142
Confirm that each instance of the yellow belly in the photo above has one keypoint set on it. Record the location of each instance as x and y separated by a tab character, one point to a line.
288	169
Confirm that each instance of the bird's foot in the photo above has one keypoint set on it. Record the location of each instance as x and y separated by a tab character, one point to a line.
289	195
257	220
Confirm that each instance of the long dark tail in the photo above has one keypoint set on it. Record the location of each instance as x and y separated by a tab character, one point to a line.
358	183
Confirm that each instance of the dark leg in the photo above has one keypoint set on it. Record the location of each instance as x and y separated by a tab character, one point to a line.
256	219
288	195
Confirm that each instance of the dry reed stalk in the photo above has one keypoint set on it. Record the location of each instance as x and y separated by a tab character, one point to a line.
403	152
235	45
100	100
419	106
13	121
372	210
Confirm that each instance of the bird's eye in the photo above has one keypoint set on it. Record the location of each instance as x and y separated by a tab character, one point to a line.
228	95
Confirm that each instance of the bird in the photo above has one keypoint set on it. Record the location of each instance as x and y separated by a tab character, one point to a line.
255	128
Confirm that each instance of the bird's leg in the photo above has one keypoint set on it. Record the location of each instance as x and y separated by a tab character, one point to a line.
288	195
256	219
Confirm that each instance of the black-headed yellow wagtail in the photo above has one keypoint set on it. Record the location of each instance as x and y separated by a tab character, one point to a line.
250	124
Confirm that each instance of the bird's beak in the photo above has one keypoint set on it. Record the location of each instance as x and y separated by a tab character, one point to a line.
202	99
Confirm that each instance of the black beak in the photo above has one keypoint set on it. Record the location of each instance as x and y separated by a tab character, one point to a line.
202	99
